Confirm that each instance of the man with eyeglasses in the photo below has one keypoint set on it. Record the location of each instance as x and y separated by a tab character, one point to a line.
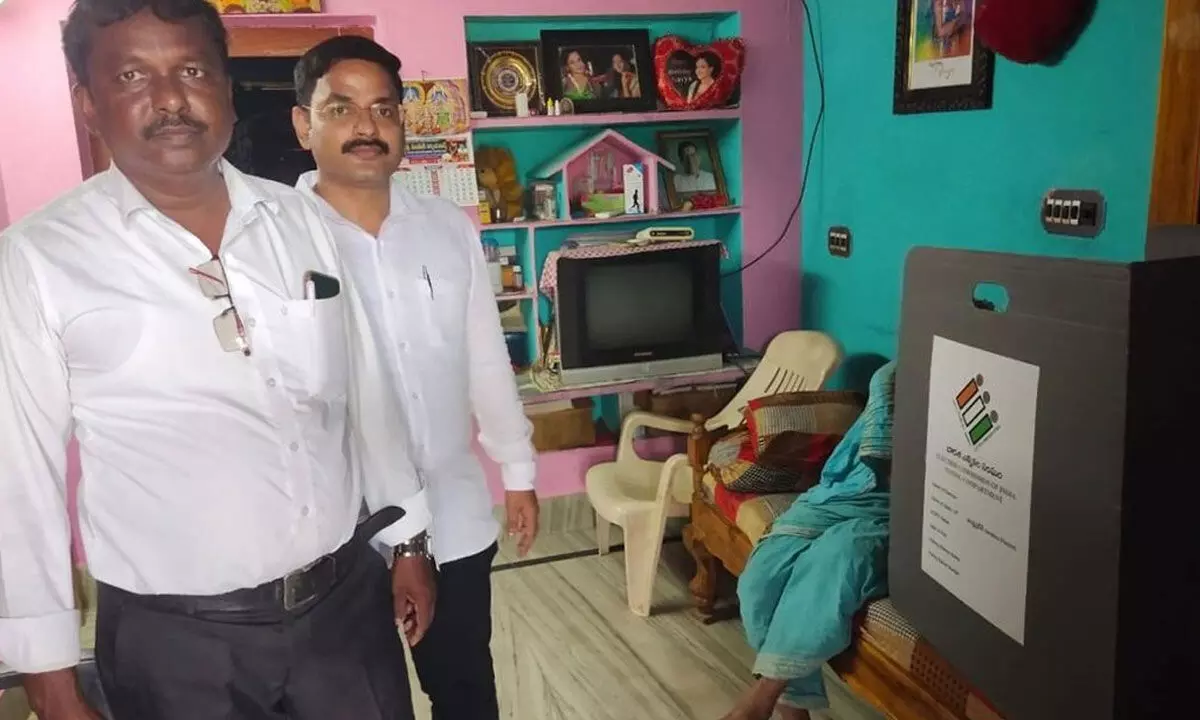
419	264
192	326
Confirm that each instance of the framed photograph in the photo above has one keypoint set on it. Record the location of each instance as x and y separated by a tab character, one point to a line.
599	71
697	163
501	70
940	64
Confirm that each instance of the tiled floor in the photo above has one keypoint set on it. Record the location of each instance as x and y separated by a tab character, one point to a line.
566	646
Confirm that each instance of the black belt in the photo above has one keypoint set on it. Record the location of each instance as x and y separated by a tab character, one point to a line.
291	595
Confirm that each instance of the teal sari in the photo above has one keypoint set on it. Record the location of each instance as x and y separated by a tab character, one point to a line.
824	558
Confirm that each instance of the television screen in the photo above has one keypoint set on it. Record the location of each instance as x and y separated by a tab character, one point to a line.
640	307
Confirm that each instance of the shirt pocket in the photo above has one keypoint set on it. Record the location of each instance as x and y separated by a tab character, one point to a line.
310	341
441	305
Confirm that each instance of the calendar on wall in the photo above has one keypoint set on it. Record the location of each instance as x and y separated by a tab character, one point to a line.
438	158
456	183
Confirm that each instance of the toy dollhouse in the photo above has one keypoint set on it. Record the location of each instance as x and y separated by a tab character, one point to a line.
594	173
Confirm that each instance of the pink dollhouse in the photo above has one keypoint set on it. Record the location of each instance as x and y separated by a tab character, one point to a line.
593	174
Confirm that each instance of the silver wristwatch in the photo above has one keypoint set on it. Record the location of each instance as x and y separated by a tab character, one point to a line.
417	547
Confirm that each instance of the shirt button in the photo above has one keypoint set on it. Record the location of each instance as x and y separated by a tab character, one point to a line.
251	322
305	511
270	382
283	310
391	294
294	446
414	396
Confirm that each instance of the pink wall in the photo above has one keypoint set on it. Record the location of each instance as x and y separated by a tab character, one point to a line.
3	205
40	156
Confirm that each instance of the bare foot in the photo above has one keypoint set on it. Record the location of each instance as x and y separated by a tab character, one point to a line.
758	702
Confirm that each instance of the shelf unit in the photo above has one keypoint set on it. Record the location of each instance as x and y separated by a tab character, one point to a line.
533	141
606	119
536	139
665	216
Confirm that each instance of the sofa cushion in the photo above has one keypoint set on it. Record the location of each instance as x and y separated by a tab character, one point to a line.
785	442
751	513
810	413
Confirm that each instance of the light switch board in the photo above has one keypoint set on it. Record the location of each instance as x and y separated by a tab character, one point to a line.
1073	212
839	241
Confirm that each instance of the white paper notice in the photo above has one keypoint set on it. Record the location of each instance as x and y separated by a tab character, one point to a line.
978	480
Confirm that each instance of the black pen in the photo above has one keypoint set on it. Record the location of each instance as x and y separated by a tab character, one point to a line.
428	280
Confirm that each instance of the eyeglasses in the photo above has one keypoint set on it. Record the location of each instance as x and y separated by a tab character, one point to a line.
231	333
341	112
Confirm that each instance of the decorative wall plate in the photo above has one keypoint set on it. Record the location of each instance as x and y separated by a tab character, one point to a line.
499	71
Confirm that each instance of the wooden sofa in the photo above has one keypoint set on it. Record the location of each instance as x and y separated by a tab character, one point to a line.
887	664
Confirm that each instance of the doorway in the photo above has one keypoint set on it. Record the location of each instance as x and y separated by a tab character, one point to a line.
264	143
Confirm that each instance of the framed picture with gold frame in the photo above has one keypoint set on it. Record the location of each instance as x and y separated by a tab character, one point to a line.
501	70
698	170
231	7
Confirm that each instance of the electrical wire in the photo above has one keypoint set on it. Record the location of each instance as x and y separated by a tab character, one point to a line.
819	67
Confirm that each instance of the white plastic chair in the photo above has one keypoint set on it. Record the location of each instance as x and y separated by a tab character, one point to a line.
639	495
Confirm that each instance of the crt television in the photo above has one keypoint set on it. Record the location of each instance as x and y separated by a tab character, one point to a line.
638	315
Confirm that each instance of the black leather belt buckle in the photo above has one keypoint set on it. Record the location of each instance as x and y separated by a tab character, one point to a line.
303	586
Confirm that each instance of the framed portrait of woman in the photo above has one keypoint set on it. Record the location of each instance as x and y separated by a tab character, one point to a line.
940	63
599	70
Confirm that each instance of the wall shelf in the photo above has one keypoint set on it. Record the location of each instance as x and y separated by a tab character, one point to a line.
516	295
606	119
617	219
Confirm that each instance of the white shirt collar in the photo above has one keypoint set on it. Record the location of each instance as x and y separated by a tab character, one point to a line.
244	196
403	202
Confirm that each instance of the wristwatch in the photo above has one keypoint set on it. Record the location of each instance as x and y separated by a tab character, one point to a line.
417	547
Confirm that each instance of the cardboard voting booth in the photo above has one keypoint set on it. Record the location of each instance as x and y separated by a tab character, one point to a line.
1046	482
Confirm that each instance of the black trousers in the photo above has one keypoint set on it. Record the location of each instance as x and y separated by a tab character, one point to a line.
454	660
342	660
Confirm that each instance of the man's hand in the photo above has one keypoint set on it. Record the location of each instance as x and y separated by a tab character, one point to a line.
55	696
414	593
522	510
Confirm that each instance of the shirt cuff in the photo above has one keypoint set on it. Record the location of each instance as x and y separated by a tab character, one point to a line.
416	520
519	476
41	644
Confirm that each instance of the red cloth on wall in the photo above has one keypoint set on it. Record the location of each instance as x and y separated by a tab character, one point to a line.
1029	31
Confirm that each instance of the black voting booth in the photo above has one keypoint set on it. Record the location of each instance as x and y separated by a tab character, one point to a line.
1091	488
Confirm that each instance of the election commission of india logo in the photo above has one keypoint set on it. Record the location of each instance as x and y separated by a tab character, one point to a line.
975	412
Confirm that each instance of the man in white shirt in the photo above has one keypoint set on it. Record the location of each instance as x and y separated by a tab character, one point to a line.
192	327
690	179
420	266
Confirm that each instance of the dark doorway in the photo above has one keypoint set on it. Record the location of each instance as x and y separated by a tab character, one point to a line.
264	143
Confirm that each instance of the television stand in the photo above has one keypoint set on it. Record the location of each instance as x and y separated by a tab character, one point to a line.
632	372
667	381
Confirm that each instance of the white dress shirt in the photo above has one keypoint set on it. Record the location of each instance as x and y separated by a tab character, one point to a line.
424	281
204	471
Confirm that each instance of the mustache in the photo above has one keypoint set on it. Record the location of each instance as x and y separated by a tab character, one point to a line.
170	122
351	145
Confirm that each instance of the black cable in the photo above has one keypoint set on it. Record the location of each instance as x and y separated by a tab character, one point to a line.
812	39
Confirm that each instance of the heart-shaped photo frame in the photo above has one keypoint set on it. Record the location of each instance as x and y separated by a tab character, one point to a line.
697	77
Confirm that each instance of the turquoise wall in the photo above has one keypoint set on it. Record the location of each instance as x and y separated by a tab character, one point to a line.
967	179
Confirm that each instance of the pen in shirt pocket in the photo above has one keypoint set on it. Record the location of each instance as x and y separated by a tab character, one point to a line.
428	280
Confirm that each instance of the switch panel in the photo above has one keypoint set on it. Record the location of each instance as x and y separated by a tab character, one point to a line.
839	241
1073	212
